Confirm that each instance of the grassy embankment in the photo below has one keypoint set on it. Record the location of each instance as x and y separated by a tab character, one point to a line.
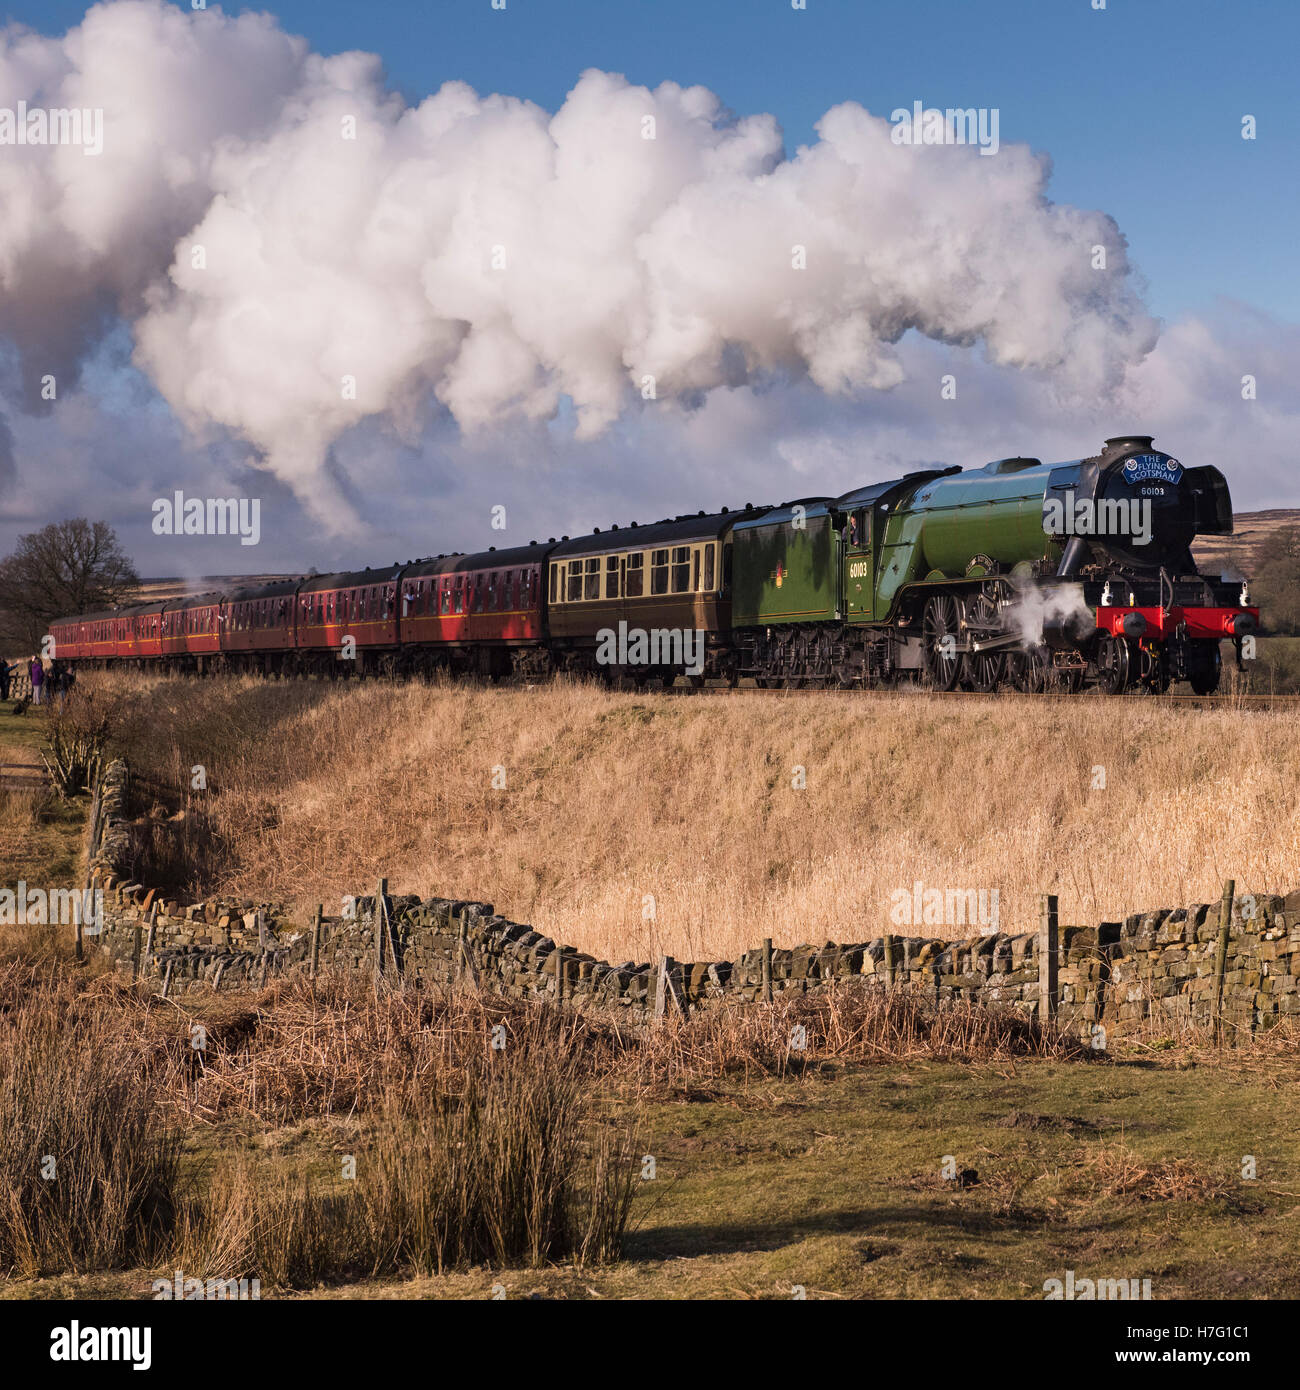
633	825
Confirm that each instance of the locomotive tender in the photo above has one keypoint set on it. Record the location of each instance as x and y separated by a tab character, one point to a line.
1018	573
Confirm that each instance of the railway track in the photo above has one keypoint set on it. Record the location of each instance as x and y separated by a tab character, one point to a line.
1223	701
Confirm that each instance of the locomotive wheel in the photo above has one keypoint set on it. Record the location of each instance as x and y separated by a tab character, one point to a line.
1155	674
1113	666
984	669
1070	680
1029	671
1204	675
940	631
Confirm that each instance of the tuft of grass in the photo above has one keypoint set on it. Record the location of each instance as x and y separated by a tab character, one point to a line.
88	1171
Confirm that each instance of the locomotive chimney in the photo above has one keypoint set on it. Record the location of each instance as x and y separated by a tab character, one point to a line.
1126	444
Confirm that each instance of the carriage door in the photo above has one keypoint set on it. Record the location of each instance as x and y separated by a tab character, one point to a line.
859	571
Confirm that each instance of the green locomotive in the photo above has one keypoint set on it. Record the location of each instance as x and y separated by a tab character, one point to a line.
1018	572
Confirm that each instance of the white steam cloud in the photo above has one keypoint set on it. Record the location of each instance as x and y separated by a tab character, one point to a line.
277	226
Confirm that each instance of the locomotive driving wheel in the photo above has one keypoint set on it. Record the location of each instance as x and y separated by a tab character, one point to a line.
940	633
1029	670
984	670
1113	666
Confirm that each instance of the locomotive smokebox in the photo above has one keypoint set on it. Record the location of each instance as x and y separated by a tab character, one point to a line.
1065	631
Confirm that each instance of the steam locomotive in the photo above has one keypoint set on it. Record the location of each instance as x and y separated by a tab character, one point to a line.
1019	573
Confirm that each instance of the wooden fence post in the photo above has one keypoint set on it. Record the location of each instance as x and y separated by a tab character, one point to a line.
167	979
148	945
381	892
135	954
887	941
767	969
661	989
315	938
1221	958
1048	956
459	919
77	904
559	974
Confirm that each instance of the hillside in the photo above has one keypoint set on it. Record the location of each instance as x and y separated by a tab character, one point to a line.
628	825
1238	551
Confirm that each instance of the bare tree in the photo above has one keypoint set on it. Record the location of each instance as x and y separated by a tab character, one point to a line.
66	568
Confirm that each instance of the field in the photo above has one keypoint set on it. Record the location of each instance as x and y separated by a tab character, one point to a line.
890	1163
629	826
902	1154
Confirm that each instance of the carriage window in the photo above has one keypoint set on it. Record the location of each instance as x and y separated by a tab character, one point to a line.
478	594
446	595
574	592
555	571
695	570
681	568
708	568
591	588
611	576
458	592
634	579
658	571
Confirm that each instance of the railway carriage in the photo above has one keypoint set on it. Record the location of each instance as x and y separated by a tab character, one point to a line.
672	577
256	627
342	613
480	613
191	631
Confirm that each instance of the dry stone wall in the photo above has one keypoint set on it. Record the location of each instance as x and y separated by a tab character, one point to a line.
1153	968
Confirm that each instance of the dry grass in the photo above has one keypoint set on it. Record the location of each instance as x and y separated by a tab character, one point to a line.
500	1156
1116	1171
617	805
88	1171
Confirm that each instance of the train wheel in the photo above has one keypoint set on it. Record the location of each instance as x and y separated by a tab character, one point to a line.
940	632
985	670
1204	674
1113	666
1028	670
1070	679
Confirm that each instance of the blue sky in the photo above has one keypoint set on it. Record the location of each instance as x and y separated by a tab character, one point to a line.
1139	104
